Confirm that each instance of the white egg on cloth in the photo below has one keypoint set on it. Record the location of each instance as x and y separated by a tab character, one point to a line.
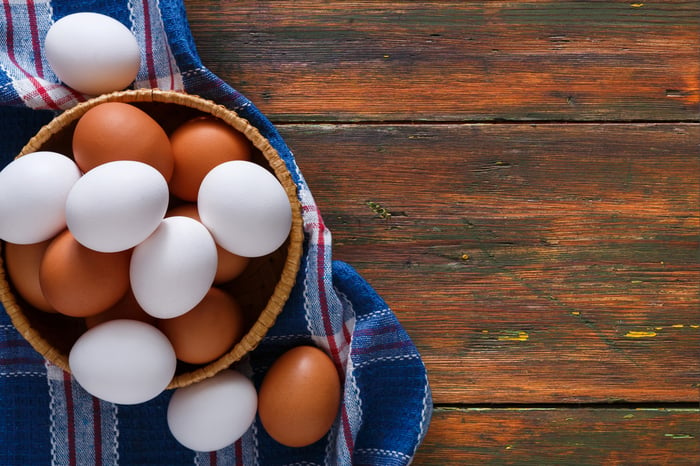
123	361
92	53
214	413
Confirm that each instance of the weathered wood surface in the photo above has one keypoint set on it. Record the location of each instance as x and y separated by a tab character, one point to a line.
460	60
521	182
529	263
549	436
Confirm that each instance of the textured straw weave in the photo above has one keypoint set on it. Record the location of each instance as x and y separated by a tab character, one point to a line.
262	289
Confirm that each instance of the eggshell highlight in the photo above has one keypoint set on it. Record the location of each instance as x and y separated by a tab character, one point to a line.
118	131
200	145
245	207
78	281
123	361
214	413
173	269
33	192
207	331
228	265
116	205
23	262
92	53
299	397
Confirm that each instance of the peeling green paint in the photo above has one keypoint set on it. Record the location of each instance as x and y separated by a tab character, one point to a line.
679	436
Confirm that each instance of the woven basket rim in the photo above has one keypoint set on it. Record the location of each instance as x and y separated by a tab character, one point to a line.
287	279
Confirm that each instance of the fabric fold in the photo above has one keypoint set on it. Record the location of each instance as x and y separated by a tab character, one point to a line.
45	415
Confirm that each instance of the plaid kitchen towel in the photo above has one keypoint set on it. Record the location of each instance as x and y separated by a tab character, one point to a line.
46	418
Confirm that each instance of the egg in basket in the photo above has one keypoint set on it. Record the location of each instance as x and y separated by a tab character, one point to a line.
127	233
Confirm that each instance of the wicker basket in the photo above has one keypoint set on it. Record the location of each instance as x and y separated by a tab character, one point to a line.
262	289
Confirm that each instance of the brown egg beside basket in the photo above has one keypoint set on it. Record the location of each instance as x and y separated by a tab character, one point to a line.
262	289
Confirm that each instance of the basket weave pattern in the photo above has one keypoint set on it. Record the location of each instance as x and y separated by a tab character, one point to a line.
263	288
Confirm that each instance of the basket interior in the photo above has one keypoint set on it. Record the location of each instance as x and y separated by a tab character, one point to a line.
261	289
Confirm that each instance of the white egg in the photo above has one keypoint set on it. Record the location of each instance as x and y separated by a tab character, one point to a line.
245	207
123	361
116	205
214	413
172	270
33	191
92	53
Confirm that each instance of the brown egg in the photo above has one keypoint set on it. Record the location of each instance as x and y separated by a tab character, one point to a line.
78	281
23	261
118	131
126	308
299	397
198	146
229	265
207	331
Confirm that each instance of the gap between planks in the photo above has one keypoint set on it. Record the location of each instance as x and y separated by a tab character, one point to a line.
660	406
282	123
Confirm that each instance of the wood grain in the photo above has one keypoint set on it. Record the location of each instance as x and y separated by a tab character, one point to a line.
551	436
456	60
520	181
529	263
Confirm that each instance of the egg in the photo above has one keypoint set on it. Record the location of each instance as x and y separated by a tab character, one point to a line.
116	205
78	281
228	265
126	308
33	191
299	397
173	269
119	131
92	53
207	331
198	146
123	361
245	207
22	262
214	413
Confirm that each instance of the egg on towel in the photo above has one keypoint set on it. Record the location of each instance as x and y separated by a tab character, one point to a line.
92	53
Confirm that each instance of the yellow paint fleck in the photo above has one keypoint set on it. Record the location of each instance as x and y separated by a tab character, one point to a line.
628	416
520	335
386	56
694	326
465	257
636	5
484	331
509	447
635	334
575	313
658	328
636	282
677	325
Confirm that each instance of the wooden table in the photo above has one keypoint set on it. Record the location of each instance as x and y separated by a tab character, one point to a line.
520	181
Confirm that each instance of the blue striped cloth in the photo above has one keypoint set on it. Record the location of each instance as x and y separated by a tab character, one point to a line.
46	418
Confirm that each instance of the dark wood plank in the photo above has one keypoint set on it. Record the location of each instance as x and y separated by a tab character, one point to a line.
562	436
456	60
529	263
